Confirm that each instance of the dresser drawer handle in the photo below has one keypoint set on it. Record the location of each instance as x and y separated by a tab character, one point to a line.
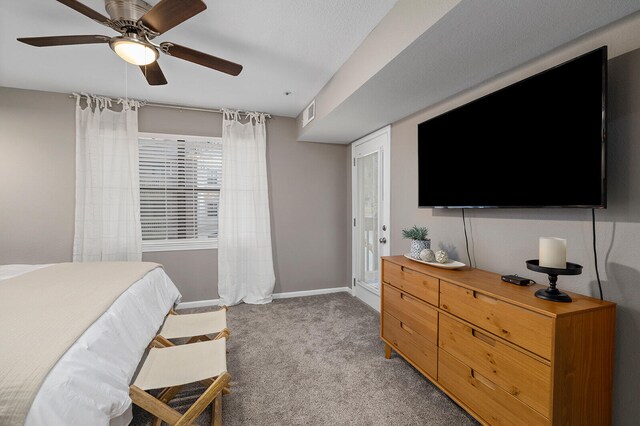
412	272
406	270
484	297
406	297
406	328
480	378
483	337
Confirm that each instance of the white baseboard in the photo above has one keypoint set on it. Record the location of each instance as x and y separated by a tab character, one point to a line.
317	292
287	295
198	304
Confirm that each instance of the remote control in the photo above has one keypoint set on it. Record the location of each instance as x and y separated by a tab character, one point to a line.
515	279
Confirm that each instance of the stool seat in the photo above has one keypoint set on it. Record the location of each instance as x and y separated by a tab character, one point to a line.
173	367
182	364
188	325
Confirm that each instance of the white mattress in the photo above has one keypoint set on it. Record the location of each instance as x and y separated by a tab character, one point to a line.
90	383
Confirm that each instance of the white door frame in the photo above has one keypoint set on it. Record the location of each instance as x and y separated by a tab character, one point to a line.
367	294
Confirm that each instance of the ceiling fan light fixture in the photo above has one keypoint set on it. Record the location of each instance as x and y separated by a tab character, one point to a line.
134	51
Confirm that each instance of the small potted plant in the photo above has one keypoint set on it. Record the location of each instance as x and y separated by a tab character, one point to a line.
419	241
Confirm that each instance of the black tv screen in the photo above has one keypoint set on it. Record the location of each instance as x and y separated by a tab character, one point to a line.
540	142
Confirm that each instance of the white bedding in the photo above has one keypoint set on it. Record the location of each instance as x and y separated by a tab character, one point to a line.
89	385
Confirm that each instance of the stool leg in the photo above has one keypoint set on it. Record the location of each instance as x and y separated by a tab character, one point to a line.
168	394
157	421
223	334
216	414
162	342
194	339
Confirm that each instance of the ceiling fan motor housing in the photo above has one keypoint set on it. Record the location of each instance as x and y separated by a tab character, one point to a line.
125	13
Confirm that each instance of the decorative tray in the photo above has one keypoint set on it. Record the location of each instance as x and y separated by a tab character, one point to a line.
452	264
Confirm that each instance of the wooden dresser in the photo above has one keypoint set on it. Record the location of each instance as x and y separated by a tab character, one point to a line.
501	353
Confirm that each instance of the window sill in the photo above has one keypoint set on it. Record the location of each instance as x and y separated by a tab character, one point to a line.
151	246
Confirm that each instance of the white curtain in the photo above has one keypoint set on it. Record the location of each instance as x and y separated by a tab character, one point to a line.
107	223
245	260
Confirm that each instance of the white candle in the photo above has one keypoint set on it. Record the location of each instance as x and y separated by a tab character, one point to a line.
553	252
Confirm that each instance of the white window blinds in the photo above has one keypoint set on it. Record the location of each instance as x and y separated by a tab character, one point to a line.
180	181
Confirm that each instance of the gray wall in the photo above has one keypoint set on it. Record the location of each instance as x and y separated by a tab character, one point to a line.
308	191
37	176
502	240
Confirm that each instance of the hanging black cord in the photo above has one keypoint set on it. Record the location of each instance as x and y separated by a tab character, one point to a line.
595	252
466	239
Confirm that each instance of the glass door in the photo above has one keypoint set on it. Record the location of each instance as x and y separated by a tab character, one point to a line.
370	207
367	215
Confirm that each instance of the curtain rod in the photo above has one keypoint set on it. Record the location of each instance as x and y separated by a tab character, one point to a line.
186	108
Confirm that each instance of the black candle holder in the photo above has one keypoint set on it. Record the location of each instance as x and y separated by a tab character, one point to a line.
552	293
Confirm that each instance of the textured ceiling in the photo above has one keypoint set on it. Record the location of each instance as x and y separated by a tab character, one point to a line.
284	45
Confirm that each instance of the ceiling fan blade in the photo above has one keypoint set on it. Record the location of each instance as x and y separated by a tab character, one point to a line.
64	40
169	13
200	58
86	11
153	74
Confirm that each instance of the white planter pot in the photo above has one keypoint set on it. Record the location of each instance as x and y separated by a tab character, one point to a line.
417	246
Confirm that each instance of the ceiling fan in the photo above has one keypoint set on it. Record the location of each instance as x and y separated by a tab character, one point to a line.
138	23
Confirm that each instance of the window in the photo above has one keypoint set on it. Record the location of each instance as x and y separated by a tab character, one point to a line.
180	179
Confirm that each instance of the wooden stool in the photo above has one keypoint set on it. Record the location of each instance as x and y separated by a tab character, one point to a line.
170	368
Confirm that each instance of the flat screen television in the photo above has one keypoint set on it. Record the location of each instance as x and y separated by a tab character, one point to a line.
540	142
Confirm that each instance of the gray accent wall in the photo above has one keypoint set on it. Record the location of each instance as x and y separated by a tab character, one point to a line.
309	190
501	240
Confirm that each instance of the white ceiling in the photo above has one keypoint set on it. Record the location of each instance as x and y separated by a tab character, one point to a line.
284	45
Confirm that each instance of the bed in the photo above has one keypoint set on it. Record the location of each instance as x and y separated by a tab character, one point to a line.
89	383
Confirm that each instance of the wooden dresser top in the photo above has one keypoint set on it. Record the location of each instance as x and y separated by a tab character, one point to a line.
491	284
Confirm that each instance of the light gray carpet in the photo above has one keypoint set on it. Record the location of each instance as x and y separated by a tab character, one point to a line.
319	361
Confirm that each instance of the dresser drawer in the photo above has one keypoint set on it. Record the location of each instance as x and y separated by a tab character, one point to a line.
525	328
419	350
485	398
520	375
420	317
415	283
